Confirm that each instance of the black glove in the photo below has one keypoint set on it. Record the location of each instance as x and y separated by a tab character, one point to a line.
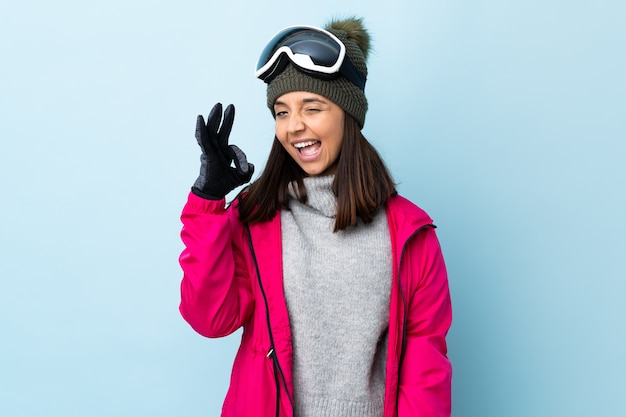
217	177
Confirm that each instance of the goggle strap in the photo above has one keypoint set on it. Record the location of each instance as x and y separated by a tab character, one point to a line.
352	73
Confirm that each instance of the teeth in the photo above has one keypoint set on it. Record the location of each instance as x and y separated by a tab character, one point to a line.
304	144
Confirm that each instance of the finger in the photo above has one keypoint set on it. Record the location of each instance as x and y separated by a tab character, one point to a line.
200	128
243	167
214	120
248	176
227	125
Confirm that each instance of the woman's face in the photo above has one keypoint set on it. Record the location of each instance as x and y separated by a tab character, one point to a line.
310	128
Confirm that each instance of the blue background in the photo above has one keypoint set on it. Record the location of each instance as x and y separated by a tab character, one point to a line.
504	120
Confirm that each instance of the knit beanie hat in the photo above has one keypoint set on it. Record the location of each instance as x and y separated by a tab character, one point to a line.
340	91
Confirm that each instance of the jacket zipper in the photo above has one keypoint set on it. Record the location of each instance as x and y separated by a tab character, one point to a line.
272	349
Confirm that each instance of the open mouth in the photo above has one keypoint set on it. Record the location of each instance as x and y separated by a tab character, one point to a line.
308	147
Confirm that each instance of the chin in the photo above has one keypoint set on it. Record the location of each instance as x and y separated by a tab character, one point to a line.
315	172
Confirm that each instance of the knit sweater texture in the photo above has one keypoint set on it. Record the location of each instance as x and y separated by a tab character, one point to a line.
337	289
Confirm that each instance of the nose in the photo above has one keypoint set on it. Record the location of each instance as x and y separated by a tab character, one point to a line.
295	123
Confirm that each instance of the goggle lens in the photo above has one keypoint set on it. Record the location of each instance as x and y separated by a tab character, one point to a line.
321	49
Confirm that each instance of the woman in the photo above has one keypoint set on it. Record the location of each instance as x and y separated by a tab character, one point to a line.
338	282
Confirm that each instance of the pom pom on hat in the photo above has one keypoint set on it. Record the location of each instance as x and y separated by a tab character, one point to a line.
355	32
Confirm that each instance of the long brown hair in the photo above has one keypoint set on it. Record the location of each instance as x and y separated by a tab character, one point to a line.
362	182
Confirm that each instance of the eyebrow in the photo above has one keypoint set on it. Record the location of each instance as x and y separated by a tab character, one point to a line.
313	100
305	100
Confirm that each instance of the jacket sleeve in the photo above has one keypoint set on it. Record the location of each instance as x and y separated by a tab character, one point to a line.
426	373
215	290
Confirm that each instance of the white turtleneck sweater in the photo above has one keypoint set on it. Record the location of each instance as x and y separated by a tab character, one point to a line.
337	289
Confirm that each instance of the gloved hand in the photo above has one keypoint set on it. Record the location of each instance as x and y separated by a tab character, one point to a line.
217	177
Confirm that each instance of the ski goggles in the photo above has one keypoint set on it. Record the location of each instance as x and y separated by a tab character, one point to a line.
314	51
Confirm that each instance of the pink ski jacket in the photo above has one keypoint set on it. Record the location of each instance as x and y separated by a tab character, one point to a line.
233	278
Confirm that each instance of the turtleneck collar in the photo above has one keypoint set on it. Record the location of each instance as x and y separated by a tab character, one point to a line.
320	194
